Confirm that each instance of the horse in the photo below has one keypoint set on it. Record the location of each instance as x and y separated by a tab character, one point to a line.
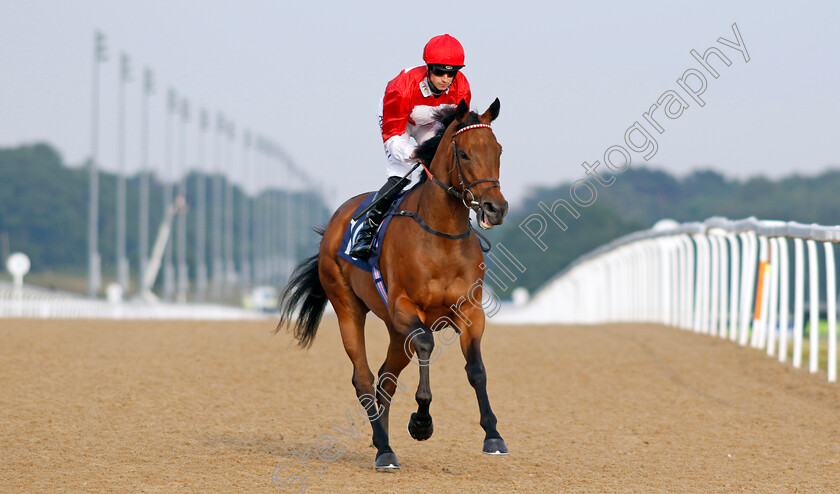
428	265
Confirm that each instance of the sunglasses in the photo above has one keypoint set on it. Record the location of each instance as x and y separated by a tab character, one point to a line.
438	72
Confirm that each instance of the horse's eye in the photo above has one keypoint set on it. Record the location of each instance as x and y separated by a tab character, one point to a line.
462	155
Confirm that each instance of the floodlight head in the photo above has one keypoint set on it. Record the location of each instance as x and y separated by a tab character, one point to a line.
18	266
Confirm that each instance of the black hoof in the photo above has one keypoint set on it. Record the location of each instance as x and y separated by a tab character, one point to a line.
420	429
495	446
387	462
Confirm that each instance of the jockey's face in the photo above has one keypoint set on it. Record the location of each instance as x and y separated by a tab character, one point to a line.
441	82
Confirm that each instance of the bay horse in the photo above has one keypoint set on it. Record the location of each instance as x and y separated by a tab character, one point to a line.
428	265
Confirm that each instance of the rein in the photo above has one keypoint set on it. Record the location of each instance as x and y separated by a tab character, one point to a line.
419	220
462	194
423	225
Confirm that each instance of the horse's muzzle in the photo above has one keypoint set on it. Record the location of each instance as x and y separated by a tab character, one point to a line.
492	213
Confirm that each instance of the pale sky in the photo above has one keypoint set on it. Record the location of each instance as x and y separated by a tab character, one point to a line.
571	77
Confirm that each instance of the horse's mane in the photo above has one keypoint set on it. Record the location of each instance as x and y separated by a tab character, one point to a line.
426	151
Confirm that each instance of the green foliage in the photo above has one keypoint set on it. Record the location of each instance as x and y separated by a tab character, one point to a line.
642	196
44	211
42	205
597	225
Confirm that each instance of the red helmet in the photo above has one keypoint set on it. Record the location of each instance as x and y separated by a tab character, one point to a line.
444	50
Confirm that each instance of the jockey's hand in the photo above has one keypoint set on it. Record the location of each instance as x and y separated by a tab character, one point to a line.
414	154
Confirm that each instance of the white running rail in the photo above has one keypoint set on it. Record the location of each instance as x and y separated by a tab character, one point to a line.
30	302
728	279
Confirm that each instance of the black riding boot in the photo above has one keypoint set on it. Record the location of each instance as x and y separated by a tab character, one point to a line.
363	247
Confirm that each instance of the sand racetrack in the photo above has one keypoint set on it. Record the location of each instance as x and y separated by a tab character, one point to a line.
104	406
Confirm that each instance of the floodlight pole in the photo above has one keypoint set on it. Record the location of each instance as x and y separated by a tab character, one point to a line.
143	251
218	266
230	278
256	212
183	271
245	220
94	261
122	260
272	240
168	267
201	214
290	223
258	245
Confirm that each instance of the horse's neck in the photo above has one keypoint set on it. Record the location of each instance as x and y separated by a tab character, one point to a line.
438	209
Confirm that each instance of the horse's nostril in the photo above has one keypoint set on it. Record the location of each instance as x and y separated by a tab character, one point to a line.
488	207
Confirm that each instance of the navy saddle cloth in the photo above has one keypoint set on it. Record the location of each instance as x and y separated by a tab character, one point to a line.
371	264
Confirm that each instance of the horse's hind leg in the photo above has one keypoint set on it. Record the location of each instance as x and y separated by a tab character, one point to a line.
351	322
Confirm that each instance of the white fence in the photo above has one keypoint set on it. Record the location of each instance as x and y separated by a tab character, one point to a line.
30	302
729	279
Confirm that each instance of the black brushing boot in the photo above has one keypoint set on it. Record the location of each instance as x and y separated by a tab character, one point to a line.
363	246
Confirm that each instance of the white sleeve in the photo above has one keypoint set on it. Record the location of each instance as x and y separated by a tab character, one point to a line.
400	148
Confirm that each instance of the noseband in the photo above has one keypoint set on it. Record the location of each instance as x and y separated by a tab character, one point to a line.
456	165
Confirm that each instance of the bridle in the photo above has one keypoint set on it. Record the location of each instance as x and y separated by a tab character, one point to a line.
460	194
456	165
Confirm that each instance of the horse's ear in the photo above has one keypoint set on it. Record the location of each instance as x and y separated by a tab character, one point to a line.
462	111
491	112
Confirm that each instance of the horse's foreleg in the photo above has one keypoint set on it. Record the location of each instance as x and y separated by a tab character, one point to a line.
420	426
421	342
493	442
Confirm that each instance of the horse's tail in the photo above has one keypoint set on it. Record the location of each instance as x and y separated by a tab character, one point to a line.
303	290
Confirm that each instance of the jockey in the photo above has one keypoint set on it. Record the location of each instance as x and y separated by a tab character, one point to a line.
407	112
